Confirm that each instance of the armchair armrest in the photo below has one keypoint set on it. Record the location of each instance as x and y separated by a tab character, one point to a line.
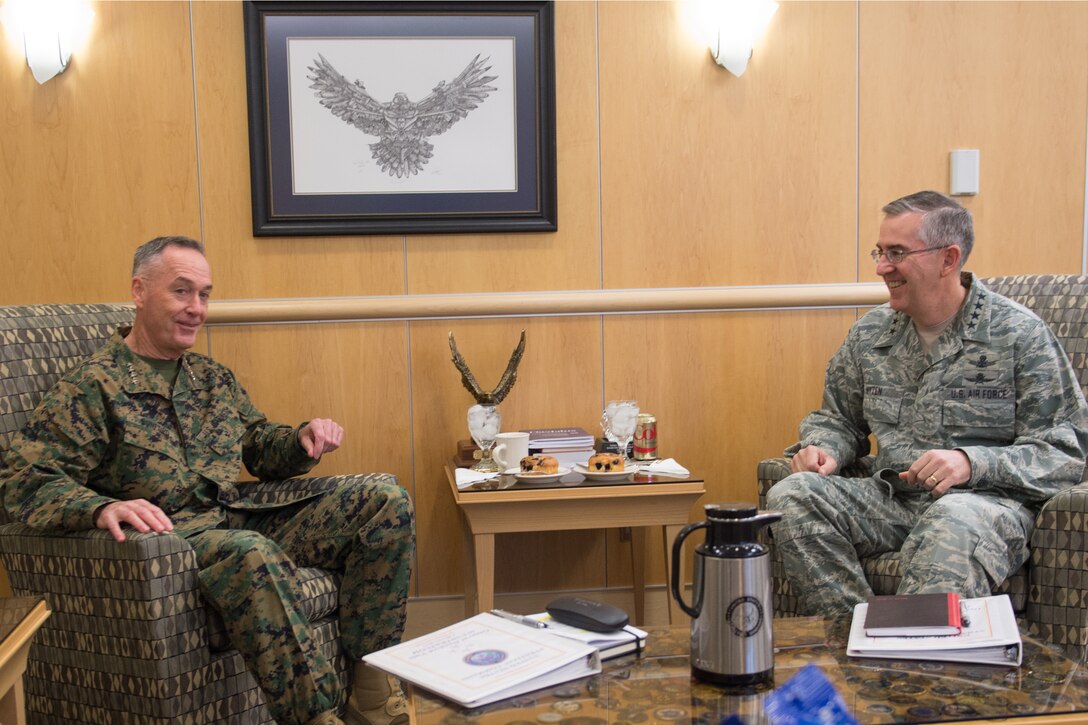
136	602
769	472
1057	608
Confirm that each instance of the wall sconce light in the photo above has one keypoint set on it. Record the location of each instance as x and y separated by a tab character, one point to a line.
47	31
739	24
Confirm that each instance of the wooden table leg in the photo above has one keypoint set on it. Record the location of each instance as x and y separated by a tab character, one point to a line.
469	566
485	572
12	705
413	705
676	614
638	572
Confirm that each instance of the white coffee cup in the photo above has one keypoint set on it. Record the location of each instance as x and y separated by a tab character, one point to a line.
509	449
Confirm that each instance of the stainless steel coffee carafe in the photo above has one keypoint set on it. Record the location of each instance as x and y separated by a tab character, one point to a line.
731	613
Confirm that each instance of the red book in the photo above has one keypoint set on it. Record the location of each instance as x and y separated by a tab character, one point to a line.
913	615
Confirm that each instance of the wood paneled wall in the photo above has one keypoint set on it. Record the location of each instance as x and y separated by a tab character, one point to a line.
672	174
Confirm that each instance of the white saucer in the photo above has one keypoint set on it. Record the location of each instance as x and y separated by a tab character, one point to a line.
537	477
627	472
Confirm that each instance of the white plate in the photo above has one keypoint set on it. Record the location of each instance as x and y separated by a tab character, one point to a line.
627	472
537	477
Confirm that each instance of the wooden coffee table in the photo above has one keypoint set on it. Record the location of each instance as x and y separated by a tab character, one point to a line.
1048	689
506	505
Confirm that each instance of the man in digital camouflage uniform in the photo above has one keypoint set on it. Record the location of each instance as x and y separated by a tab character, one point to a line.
148	435
977	416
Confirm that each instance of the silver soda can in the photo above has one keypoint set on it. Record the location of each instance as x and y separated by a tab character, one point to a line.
645	441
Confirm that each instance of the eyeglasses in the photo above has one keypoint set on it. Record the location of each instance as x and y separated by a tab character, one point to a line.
895	256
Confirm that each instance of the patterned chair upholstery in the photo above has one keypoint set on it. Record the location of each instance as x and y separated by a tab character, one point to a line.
130	639
1050	592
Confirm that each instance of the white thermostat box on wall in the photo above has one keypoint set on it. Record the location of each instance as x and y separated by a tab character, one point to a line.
964	172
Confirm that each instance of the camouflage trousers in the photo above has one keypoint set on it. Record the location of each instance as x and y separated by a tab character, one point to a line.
363	529
961	542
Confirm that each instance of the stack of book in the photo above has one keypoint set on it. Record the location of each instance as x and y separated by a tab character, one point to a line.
940	627
568	445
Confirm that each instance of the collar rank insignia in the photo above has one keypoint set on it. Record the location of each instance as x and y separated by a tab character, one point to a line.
188	370
975	314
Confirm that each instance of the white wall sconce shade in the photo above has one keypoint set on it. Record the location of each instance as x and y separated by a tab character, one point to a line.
963	172
47	31
739	24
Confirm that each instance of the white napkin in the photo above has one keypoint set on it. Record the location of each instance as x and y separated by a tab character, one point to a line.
466	477
667	467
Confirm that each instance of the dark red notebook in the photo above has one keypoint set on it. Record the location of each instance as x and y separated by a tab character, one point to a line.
913	615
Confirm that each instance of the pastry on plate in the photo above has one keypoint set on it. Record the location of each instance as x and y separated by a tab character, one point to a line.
539	464
605	463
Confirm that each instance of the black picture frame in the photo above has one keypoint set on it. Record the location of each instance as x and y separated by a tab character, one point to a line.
492	163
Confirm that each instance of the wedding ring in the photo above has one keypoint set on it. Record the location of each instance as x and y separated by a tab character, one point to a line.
932	479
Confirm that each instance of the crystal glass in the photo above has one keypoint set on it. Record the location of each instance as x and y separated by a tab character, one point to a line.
483	426
618	422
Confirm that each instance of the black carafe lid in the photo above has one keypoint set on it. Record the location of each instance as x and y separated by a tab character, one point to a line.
736	523
730	510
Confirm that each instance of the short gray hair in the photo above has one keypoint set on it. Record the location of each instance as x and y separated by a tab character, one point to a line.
944	221
150	251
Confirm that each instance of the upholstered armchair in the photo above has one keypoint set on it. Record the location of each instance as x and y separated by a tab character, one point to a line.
130	640
1050	592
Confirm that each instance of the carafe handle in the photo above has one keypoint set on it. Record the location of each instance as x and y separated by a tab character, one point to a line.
677	546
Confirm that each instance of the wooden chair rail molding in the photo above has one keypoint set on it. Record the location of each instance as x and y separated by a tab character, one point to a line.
521	304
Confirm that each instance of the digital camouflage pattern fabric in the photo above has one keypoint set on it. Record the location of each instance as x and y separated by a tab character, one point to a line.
249	572
113	429
997	386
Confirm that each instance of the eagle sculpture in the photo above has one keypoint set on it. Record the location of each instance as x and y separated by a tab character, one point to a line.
401	126
506	382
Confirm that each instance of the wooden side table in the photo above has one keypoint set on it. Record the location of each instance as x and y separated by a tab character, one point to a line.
20	618
510	507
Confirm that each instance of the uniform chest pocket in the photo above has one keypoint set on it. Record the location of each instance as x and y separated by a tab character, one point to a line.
145	447
971	420
882	408
157	439
213	427
218	457
226	442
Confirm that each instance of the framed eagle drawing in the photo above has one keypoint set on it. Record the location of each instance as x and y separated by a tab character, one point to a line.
401	117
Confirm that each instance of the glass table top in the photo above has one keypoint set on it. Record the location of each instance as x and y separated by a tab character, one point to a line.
658	687
574	479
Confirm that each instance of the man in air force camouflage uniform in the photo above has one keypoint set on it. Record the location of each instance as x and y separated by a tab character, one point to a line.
148	435
977	416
